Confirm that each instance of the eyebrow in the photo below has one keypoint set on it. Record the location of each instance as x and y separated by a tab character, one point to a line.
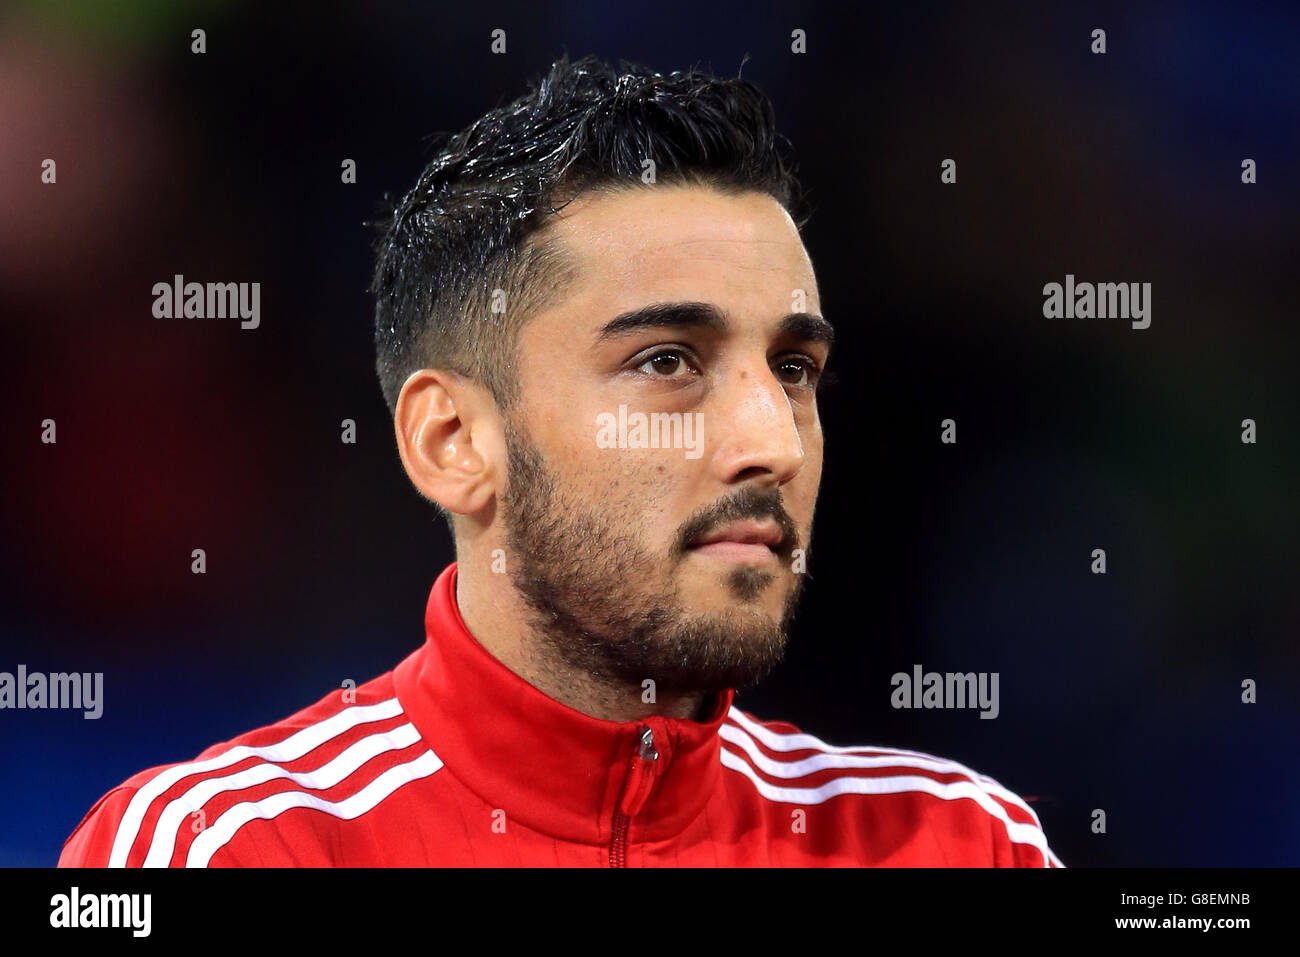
705	315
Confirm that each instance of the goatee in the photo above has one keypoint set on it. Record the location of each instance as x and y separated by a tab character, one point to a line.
606	606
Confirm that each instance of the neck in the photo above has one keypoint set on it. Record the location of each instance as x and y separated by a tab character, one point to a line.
502	623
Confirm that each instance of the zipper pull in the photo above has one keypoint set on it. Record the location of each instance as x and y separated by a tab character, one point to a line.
647	750
641	776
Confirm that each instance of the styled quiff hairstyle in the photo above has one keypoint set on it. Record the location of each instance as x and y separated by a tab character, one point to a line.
475	220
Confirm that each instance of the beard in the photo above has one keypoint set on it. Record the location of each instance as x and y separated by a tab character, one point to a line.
605	605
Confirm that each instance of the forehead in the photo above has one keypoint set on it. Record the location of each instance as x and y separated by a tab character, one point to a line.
674	243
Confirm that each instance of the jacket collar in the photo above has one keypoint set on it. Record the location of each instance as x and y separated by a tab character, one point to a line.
547	766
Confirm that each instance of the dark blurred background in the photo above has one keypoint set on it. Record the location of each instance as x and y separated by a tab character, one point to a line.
1120	692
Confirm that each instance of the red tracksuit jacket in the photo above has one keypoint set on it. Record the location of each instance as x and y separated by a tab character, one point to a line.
451	759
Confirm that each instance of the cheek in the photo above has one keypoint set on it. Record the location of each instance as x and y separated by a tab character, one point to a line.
625	486
635	493
639	494
643	487
809	479
814	464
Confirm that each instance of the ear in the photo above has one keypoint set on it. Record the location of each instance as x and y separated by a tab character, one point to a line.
450	440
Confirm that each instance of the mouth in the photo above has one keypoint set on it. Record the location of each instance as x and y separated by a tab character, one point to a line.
747	541
736	552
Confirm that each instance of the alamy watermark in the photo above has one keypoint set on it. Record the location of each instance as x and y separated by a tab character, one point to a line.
34	690
948	689
1103	300
179	299
654	430
75	909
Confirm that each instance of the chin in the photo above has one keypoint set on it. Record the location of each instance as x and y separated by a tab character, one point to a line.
719	599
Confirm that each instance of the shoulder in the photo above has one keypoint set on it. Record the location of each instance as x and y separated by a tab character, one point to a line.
156	817
931	797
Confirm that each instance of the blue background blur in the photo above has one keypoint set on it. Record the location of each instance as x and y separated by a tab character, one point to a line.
1119	692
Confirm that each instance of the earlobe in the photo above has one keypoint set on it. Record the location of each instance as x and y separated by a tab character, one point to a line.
437	417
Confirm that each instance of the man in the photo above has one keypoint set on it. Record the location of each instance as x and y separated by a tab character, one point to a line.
599	337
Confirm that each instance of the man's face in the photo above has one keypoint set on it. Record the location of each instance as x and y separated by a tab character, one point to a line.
663	469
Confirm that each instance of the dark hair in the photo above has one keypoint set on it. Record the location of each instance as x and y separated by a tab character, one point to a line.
471	223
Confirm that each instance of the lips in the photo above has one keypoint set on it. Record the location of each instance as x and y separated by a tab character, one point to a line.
748	539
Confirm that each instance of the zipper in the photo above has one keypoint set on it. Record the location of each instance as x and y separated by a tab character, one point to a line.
636	788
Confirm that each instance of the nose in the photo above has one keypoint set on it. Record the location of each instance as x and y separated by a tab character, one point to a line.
757	428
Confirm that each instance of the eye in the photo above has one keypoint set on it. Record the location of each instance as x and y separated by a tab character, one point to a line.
798	371
666	364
